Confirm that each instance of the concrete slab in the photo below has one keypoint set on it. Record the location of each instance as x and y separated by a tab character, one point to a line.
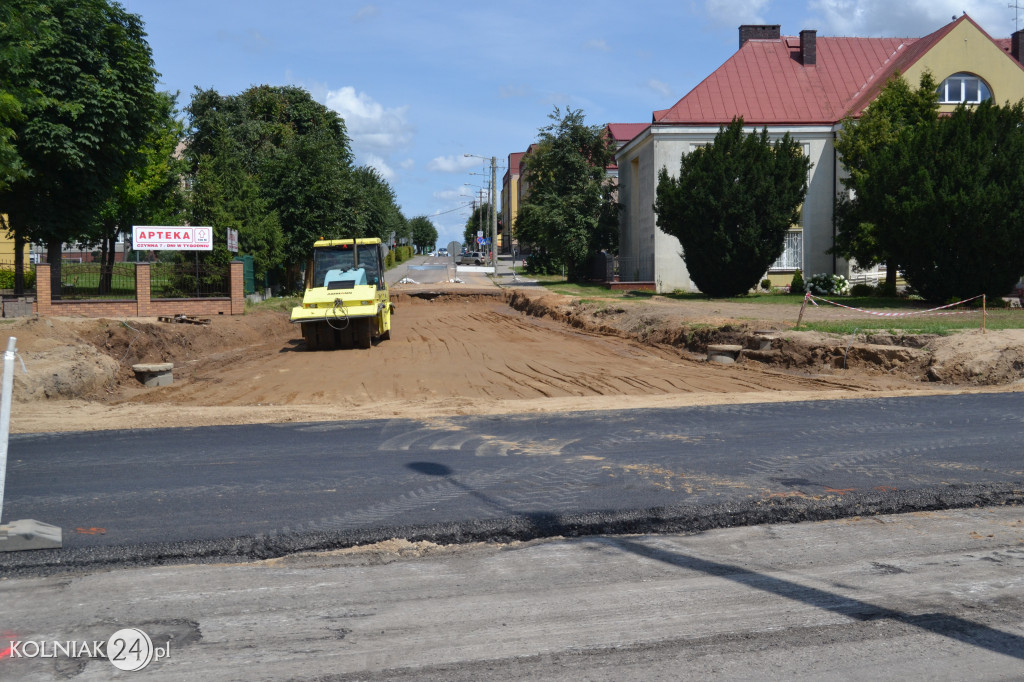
152	375
27	534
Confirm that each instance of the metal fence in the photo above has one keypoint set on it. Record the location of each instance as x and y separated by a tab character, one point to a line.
635	268
80	281
189	280
792	257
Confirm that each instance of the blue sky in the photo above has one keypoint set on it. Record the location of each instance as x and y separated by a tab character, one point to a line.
420	84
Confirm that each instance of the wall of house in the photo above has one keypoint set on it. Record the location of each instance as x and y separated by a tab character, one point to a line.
509	208
7	245
967	49
664	146
819	205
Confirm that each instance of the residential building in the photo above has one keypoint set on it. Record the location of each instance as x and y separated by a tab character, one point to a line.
806	86
510	199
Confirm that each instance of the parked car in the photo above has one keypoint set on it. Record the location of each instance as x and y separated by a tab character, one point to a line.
473	258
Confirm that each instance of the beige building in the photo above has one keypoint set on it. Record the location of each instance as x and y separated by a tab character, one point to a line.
802	85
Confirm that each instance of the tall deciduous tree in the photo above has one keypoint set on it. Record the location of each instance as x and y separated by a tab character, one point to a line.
93	92
731	205
864	227
296	151
374	210
568	211
226	196
150	193
424	234
955	195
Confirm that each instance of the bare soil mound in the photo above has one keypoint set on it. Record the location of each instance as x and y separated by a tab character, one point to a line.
483	353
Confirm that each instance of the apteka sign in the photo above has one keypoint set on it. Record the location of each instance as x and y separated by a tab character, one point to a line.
148	237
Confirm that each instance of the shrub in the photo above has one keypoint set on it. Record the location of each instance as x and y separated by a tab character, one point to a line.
862	290
7	278
796	286
823	284
766	284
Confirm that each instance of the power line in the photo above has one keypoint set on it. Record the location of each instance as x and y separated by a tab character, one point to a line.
457	208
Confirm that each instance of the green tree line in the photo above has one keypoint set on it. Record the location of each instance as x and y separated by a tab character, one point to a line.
89	147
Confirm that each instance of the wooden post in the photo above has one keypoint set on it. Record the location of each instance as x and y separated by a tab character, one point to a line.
802	308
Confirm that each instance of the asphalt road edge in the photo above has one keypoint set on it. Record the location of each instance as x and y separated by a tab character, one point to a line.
696	518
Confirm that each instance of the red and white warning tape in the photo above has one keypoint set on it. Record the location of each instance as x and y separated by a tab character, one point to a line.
810	297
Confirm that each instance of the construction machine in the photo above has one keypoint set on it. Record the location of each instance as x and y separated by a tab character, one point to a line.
346	303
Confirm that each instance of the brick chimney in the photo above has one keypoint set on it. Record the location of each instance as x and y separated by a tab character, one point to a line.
809	47
1016	43
759	32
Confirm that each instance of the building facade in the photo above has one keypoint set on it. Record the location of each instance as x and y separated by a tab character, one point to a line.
805	86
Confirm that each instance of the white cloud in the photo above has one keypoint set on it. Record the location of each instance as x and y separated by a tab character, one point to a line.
371	126
452	164
366	12
911	18
659	87
458	195
408	164
597	44
509	91
736	12
374	161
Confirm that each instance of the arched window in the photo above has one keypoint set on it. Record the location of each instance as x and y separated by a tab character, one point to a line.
963	88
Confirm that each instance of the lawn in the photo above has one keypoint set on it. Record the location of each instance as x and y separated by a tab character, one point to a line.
967	316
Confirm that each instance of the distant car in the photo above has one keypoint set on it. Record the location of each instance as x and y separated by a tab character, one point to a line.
442	253
473	258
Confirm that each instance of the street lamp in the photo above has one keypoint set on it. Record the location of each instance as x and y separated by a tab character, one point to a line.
494	208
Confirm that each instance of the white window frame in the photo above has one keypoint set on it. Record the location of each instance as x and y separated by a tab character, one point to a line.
953	90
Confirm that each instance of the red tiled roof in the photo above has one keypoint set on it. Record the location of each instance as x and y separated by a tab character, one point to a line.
767	83
624	132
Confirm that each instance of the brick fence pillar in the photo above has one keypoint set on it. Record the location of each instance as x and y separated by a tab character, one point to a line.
43	297
144	307
237	288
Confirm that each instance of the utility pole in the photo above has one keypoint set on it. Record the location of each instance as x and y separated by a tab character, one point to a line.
494	215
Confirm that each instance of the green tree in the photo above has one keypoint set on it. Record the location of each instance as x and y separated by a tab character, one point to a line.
568	211
424	234
731	205
225	196
373	205
150	193
478	221
23	30
293	148
864	228
93	92
956	202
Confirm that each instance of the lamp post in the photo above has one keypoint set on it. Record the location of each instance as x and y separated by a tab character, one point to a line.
494	209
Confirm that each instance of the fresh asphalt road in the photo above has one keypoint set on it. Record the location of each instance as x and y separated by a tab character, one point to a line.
157	495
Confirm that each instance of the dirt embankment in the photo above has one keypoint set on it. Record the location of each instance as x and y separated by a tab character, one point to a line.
970	358
456	354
